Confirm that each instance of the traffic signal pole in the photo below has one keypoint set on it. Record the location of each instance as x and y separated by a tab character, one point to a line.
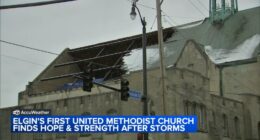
106	86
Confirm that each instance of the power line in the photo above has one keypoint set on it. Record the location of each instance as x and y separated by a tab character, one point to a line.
196	7
23	46
149	7
153	22
33	4
23	60
152	8
174	23
205	7
143	5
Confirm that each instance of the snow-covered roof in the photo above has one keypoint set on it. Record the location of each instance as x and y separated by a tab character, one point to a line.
243	51
238	38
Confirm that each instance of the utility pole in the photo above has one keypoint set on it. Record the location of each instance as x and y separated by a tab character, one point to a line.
161	51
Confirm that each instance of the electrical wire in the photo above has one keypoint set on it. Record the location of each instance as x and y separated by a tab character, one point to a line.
175	24
153	22
145	6
23	60
33	4
196	7
205	7
23	46
152	8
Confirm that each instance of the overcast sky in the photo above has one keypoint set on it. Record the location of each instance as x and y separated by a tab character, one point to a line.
76	24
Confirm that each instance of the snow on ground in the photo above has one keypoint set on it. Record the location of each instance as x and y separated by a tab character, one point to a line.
242	51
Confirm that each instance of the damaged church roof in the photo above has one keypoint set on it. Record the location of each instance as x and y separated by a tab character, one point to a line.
238	38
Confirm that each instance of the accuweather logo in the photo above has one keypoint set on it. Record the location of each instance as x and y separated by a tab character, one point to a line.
31	112
16	112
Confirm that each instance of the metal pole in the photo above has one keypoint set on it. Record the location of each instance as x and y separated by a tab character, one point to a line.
108	87
145	100
145	109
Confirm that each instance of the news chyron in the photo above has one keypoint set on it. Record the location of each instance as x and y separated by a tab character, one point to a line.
41	121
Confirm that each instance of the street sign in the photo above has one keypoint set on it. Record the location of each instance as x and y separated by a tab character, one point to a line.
135	94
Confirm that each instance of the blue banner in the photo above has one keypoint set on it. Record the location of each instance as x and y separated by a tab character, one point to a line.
103	124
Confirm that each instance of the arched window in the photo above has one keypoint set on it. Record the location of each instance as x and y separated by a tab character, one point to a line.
225	125
237	128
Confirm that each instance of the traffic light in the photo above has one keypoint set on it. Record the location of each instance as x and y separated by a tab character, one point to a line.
88	80
124	90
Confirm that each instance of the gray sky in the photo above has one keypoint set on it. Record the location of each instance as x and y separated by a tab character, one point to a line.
76	24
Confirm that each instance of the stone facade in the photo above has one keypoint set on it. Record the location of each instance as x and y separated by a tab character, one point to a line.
182	98
188	93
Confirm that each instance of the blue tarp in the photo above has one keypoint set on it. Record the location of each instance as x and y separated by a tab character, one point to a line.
78	84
